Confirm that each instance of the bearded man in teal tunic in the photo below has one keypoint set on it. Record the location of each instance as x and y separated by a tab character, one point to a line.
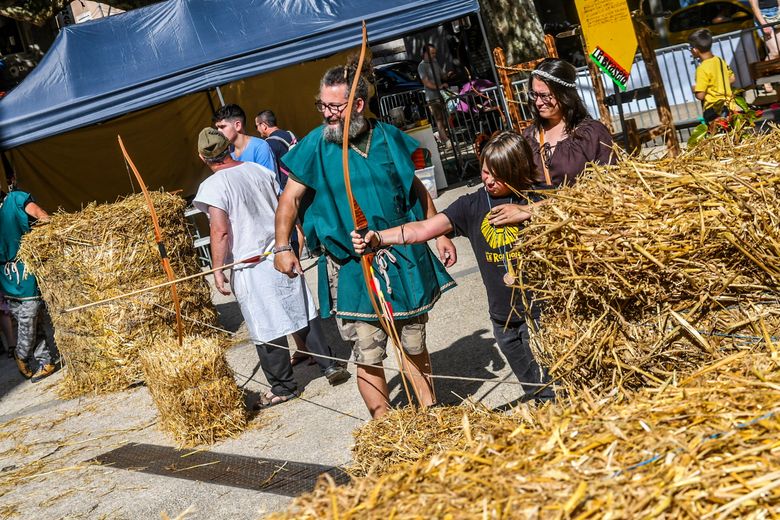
386	189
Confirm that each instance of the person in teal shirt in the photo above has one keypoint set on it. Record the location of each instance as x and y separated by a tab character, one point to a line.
35	334
385	187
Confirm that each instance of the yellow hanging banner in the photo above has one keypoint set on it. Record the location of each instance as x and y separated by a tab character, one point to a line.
609	34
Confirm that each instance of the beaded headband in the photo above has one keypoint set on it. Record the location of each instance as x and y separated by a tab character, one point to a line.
550	77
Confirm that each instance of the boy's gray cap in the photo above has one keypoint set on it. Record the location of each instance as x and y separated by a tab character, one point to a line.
211	143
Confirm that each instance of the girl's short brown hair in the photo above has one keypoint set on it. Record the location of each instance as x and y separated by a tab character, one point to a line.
508	158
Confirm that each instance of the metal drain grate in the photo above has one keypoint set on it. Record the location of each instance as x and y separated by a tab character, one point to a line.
281	477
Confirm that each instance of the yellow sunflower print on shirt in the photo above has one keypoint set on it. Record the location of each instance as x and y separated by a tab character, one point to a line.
497	237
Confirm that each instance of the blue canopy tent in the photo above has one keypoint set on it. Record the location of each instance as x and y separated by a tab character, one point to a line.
115	67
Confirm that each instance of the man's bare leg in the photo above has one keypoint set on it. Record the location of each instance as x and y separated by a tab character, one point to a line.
441	126
372	386
418	369
301	352
771	42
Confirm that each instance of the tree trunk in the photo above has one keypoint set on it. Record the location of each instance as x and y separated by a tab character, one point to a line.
514	25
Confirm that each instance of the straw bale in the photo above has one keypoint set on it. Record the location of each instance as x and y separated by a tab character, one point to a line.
638	265
408	434
604	353
762	146
641	235
103	251
194	390
707	448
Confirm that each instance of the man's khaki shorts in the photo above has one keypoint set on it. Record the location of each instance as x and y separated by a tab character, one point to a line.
370	341
438	110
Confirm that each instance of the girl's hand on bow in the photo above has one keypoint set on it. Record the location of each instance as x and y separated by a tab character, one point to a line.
359	243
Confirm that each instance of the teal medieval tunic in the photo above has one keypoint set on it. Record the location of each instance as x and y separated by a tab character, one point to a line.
381	178
15	281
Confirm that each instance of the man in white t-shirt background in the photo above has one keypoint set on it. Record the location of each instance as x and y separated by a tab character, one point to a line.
432	78
240	200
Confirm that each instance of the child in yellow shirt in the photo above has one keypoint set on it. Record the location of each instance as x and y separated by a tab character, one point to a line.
713	77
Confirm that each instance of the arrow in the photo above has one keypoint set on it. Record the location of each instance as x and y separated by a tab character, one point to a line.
250	260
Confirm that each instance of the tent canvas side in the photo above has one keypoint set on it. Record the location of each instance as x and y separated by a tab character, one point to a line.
86	164
102	69
144	74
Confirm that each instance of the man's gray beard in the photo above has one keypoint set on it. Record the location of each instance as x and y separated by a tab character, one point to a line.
358	125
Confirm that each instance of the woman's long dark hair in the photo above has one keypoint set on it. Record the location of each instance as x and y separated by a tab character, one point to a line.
573	108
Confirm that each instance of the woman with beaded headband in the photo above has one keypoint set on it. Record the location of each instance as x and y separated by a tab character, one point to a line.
563	137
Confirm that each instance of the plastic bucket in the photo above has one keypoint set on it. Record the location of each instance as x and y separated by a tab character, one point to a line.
426	175
397	116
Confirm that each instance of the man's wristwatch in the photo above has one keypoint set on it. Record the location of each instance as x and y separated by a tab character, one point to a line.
281	249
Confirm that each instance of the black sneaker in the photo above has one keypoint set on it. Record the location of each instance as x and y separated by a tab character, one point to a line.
336	374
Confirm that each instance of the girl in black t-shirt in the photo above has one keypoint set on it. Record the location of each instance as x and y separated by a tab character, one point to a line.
490	218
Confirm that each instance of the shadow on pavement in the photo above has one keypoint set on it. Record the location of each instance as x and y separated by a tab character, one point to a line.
230	317
469	356
10	377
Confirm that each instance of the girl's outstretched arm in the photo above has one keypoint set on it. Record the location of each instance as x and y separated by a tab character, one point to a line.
411	233
448	254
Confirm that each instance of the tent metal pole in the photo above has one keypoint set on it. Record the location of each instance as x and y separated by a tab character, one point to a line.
219	95
487	47
8	171
493	68
211	101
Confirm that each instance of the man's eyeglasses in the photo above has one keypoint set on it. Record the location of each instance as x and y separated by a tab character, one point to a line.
335	109
547	99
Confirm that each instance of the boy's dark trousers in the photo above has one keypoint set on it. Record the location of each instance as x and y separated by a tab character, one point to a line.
514	343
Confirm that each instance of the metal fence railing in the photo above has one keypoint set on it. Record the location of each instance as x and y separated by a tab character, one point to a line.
411	101
678	71
469	114
677	68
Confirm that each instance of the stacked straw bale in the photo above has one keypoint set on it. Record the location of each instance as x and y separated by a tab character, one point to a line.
660	278
649	269
106	250
707	448
195	390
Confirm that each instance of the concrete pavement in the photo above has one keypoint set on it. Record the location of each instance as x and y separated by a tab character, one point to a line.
47	444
